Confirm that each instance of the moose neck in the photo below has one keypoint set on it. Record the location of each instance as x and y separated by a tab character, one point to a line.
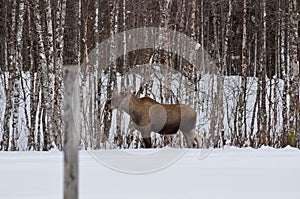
129	102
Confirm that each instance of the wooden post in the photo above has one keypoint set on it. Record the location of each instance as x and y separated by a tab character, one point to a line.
71	137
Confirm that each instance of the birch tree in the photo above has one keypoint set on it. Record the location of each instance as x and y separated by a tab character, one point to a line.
16	89
12	75
60	14
228	29
242	124
284	69
49	49
3	37
112	81
34	82
263	137
165	18
214	137
275	121
294	74
3	59
44	76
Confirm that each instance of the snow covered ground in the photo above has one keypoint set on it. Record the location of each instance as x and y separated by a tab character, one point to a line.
224	173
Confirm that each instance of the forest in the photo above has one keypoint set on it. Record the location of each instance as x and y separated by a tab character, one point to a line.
245	93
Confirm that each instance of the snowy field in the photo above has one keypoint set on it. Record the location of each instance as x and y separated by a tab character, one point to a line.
224	173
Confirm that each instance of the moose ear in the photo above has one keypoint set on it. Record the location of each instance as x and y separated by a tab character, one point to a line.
124	93
115	93
127	90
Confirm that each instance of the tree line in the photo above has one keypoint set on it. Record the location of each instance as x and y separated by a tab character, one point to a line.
256	41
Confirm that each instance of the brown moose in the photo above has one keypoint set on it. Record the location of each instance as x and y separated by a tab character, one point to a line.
150	116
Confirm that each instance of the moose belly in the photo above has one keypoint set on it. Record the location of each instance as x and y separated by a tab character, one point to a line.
167	129
163	120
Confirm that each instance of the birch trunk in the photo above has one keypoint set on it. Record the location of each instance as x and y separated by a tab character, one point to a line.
3	56
16	91
215	79
99	79
264	137
228	28
85	126
60	14
3	41
34	85
275	122
112	74
44	76
165	18
242	125
293	56
202	67
284	69
11	69
51	75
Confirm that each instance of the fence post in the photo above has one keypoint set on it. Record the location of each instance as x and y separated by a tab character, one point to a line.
71	134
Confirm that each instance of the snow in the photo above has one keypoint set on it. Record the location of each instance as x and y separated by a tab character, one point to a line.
223	173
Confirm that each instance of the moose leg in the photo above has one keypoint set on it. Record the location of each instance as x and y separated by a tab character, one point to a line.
147	142
146	132
198	140
191	137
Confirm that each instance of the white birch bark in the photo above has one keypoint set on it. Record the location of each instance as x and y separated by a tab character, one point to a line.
44	75
284	69
34	86
228	28
51	75
164	43
202	67
215	80
99	79
294	76
112	74
11	69
263	62
16	90
242	125
60	14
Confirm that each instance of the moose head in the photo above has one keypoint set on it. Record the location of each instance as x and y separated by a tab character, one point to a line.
119	100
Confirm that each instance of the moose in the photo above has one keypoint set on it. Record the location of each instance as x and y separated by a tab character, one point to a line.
149	116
